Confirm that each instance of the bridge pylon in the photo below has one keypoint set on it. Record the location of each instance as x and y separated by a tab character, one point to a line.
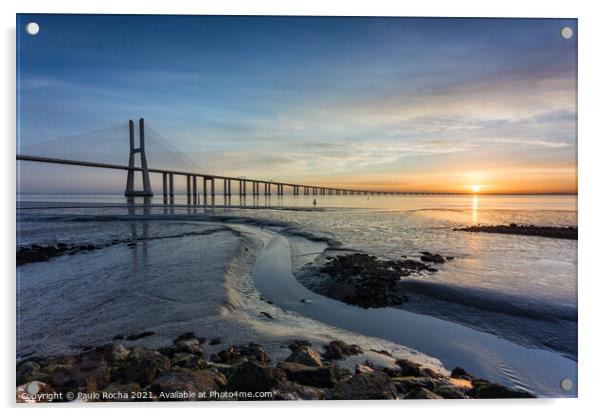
146	186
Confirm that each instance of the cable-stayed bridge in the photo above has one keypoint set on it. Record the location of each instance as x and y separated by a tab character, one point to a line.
103	148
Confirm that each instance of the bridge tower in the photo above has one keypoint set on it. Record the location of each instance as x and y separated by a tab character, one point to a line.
146	186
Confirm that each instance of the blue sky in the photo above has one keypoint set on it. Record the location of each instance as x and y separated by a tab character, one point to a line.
398	103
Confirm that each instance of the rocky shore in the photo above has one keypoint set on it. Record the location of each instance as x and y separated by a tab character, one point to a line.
182	371
370	282
568	233
37	253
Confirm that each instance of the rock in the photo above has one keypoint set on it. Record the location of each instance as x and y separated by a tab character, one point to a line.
309	376
450	393
118	337
241	353
267	315
367	281
28	371
37	253
305	355
118	392
144	334
187	360
459	372
374	385
485	390
118	353
292	391
428	372
408	368
363	368
142	366
255	377
190	346
432	258
341	373
569	233
298	343
406	384
421	393
176	381
35	392
89	372
337	350
215	341
383	352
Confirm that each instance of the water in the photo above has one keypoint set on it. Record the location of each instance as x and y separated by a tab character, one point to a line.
517	292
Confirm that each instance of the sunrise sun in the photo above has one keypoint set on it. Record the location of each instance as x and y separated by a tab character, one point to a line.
475	188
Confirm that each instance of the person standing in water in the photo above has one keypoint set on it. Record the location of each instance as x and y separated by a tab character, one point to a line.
315	202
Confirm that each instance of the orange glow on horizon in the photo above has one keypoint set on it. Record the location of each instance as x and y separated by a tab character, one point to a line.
558	178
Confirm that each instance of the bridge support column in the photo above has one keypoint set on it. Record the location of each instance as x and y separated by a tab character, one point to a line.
164	187
188	189
146	186
195	196
212	188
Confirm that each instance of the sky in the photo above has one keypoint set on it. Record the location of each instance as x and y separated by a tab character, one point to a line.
401	104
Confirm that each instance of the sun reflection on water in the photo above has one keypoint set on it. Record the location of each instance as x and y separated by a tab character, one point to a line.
475	209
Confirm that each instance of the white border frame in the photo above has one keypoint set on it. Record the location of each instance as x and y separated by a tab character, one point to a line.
590	288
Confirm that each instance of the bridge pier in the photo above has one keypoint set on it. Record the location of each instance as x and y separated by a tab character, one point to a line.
195	197
171	191
188	189
146	186
164	188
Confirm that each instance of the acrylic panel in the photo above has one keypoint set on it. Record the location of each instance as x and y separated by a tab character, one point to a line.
295	208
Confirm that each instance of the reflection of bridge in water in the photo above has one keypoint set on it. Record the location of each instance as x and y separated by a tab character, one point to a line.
201	184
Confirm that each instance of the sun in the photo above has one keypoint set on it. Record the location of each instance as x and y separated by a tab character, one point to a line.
475	188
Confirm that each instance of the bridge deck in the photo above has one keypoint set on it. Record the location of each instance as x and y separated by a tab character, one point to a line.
211	176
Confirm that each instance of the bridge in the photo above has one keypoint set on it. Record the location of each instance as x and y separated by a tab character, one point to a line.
198	184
